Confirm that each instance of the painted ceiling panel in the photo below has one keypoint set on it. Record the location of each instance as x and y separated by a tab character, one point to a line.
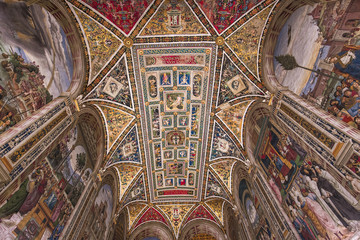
134	210
199	213
224	13
124	14
151	215
115	86
176	214
216	205
174	18
233	117
223	145
245	41
102	44
128	150
214	188
137	192
234	83
223	169
115	122
176	86
127	174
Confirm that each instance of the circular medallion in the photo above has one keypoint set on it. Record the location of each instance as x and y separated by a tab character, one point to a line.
220	41
128	42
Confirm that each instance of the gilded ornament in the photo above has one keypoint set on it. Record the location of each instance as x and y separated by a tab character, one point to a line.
220	41
128	42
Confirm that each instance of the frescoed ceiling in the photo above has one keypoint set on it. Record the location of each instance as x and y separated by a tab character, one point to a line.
173	82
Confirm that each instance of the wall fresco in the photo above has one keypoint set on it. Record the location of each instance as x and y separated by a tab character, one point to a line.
319	206
36	63
354	166
324	38
254	212
100	215
41	206
281	159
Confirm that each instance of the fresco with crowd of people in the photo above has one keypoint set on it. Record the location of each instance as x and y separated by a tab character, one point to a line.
315	200
35	61
320	207
325	39
41	206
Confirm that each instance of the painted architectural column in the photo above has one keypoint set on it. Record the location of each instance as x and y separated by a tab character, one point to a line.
78	218
277	216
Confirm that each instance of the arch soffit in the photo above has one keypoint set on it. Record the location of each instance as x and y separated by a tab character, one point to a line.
152	229
111	179
201	226
240	173
90	113
257	110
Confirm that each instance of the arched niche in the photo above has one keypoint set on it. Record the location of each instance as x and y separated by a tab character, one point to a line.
327	55
99	222
256	221
41	58
273	150
233	226
201	226
120	231
257	114
241	174
151	229
78	154
92	129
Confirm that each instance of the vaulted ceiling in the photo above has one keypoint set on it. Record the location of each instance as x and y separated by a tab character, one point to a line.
173	81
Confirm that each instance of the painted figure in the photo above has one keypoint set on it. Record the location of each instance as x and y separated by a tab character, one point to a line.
153	88
197	85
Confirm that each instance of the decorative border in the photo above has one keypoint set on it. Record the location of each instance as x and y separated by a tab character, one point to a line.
309	140
15	156
17	139
35	152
